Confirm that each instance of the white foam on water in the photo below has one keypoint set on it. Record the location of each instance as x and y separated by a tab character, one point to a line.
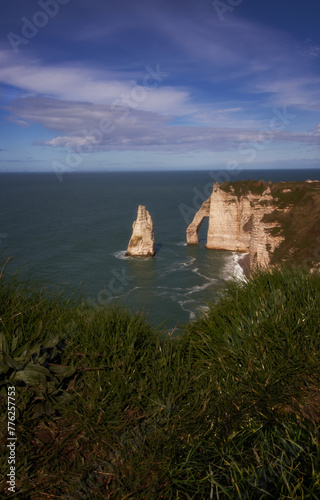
192	314
189	261
232	268
199	288
196	271
121	254
167	289
130	291
180	266
181	244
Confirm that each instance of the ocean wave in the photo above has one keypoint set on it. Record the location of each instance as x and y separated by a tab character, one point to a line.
195	311
232	268
199	288
196	271
121	254
180	266
170	289
181	244
191	312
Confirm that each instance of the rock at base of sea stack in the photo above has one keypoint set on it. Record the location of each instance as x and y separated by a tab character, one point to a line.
141	243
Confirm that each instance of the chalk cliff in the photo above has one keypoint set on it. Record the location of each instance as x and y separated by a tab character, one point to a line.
237	220
141	243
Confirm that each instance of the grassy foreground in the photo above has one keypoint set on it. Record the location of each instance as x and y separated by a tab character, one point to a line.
107	407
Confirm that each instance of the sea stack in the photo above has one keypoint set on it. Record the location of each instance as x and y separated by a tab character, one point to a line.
141	243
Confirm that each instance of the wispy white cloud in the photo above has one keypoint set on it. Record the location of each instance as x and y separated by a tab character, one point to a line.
301	92
92	127
16	121
310	49
80	83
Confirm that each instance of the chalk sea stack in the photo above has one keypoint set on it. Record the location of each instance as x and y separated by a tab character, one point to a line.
141	243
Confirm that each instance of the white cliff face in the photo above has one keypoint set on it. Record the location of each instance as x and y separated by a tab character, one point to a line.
141	243
236	224
228	217
262	242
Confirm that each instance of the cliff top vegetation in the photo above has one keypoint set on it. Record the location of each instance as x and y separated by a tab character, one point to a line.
108	407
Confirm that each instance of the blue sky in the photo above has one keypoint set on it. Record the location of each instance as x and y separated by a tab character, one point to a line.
158	84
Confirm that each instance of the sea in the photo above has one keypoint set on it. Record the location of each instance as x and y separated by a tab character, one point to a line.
70	232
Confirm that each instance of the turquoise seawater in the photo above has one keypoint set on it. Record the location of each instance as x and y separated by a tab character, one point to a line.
75	233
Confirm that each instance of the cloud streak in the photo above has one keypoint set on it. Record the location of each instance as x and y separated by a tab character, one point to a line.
94	86
88	127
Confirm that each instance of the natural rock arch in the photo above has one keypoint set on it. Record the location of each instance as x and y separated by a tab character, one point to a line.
194	227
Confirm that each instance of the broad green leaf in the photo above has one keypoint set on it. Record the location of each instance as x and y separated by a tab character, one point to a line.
53	385
39	369
17	338
39	328
42	359
35	350
12	363
51	342
65	371
32	375
3	343
22	359
23	350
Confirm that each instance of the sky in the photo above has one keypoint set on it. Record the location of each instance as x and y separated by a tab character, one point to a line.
159	85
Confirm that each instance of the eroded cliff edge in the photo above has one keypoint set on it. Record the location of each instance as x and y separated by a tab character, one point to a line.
272	222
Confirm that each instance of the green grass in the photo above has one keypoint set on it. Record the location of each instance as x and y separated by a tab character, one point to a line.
243	188
228	410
